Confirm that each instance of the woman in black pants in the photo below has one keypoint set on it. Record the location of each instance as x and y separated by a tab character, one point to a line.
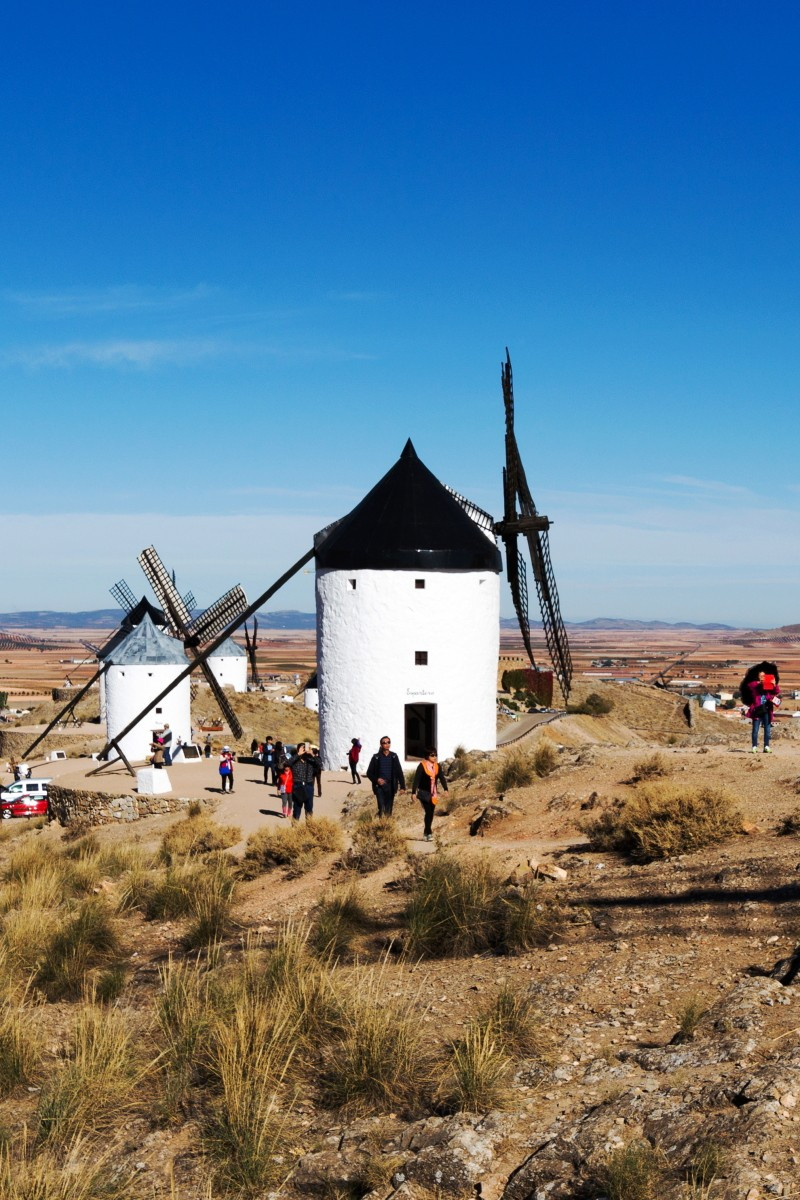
429	783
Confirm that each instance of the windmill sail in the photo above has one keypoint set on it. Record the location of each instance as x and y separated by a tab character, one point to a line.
534	527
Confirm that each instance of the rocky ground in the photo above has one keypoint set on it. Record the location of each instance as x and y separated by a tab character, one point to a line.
663	1032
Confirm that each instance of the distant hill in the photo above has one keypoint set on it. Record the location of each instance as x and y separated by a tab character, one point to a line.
621	623
109	618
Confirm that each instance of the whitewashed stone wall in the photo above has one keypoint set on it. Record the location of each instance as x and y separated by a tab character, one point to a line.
367	636
230	671
129	689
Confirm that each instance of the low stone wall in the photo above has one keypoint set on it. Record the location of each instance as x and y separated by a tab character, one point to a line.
99	808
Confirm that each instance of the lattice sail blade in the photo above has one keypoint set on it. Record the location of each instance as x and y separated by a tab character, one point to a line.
222	701
518	582
123	596
221	614
165	591
554	630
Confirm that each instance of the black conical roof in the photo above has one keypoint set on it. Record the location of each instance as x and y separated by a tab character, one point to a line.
408	521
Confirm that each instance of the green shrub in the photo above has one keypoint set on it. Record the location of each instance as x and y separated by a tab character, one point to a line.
661	820
594	705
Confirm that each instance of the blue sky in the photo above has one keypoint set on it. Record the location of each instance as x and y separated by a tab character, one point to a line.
245	251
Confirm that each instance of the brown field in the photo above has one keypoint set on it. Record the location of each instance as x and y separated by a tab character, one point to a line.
714	660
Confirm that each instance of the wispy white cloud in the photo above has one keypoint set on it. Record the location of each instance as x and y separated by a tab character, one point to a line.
122	298
149	353
141	353
704	485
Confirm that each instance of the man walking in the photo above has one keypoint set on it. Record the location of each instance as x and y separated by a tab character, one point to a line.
385	773
269	760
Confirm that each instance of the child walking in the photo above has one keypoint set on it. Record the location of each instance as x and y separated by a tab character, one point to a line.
286	786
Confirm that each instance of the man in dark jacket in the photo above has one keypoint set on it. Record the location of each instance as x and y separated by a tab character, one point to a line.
385	773
303	767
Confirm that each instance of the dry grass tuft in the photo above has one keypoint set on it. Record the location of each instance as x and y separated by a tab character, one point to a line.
689	1017
632	1173
250	1052
82	1173
87	939
515	770
19	1053
655	766
96	1086
661	820
376	841
194	836
478	1080
339	918
461	907
516	1024
299	846
376	1059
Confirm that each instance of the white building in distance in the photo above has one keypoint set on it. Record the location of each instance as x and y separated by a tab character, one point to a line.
140	667
408	621
228	664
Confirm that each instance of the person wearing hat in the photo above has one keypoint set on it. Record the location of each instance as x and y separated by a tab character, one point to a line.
226	769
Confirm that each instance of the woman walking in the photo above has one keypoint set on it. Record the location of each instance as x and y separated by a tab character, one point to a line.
353	755
428	782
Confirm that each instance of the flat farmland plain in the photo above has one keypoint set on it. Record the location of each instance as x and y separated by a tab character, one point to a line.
712	660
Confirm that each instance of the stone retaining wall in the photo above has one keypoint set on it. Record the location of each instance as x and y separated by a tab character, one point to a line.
99	808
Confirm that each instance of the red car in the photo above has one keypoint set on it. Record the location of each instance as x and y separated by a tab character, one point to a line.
25	798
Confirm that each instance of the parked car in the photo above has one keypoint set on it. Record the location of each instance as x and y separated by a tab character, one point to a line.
25	798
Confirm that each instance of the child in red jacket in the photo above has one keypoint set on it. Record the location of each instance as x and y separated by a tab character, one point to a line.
286	785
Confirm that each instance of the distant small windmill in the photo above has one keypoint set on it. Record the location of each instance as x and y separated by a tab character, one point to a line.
534	527
251	643
198	629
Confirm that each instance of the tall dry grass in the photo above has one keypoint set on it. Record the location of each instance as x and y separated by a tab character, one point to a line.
663	819
377	1058
298	847
462	906
98	1083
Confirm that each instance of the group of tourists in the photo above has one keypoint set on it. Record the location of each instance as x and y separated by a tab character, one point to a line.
297	776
